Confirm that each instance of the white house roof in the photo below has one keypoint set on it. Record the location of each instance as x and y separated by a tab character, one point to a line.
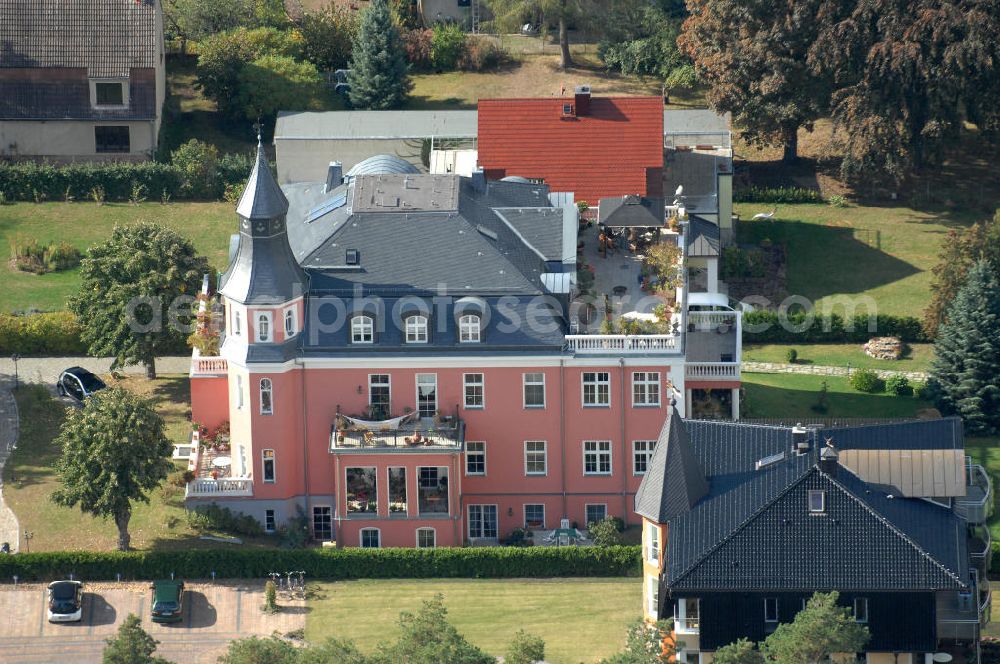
295	125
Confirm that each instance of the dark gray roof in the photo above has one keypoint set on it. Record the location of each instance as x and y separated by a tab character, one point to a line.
673	457
703	238
541	229
262	198
67	97
108	37
943	433
632	210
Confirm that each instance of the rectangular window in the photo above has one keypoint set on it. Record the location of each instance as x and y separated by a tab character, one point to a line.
534	516
771	609
482	521
379	396
645	388
475	390
817	501
597	457
427	404
322	523
239	392
269	524
432	490
861	609
109	94
596	388
653	596
642	452
534	390
595	513
653	544
688	609
535	458
475	458
397	491
111	139
362	490
371	538
426	538
268	463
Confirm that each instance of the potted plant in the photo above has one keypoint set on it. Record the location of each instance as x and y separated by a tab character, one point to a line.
214	474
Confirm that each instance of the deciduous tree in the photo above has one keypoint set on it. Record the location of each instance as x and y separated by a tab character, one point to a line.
525	648
820	630
129	303
327	35
274	82
740	652
379	76
131	645
196	19
114	452
647	644
428	638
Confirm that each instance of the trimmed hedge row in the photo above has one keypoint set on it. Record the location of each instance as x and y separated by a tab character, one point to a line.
348	563
786	195
793	328
56	333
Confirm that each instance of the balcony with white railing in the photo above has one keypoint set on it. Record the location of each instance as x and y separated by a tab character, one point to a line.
203	367
712	371
627	344
228	487
977	504
213	473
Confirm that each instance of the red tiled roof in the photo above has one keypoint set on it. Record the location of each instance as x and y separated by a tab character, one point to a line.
614	150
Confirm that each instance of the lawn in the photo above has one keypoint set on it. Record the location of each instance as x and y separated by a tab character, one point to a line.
579	619
840	355
791	396
29	479
883	253
208	225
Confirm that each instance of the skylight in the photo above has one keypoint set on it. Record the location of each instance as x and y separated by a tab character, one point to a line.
769	460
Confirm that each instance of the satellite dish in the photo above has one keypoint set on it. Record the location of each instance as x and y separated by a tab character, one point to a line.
941	657
680	190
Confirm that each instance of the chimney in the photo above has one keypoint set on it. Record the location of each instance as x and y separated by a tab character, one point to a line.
581	99
800	439
479	180
334	176
829	459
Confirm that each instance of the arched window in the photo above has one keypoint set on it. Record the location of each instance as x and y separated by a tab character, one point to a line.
290	323
416	330
266	404
362	330
264	327
469	328
236	322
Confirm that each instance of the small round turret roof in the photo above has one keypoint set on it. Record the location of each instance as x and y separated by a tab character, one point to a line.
382	164
516	178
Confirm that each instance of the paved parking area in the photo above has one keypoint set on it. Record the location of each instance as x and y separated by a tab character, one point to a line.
214	614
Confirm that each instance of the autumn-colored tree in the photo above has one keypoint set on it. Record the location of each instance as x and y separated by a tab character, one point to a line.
753	56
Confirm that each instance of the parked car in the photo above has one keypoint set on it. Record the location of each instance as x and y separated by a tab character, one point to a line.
65	601
78	383
168	601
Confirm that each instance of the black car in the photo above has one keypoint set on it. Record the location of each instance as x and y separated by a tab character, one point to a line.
65	601
78	383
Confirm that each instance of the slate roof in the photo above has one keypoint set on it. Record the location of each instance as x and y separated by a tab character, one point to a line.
674	458
632	210
703	237
614	150
262	197
540	228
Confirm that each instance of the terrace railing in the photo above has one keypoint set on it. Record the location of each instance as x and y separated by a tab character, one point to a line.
712	370
613	344
203	487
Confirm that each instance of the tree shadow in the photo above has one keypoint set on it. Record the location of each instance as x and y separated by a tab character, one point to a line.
100	612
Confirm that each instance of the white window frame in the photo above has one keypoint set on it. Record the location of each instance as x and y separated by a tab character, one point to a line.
269	390
478	452
362	329
769	619
604	508
652	544
861	601
416	379
481	506
470	329
290	317
312	524
274	521
125	87
433	533
524	513
646	380
646	454
264	458
372	384
466	384
416	329
361	538
682	621
239	391
596	383
545	458
599	452
652	596
264	323
816	493
524	389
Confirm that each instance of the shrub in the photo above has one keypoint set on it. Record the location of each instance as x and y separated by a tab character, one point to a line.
921	391
605	532
866	380
447	44
213	517
55	333
480	54
898	385
837	201
525	648
270	597
791	355
197	164
274	82
326	36
181	478
31	256
417	44
777	195
347	563
763	326
519	537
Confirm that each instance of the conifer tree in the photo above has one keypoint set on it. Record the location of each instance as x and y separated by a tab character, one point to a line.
379	74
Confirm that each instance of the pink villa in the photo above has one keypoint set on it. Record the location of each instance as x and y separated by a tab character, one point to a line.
436	360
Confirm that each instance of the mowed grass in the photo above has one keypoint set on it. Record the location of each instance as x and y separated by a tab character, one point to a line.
918	357
30	478
857	252
791	396
208	225
581	620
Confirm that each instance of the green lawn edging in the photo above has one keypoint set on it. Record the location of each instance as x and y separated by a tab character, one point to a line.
329	564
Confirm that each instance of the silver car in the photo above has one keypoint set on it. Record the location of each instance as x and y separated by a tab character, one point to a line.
65	601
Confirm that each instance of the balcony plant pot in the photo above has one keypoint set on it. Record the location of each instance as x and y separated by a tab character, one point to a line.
214	474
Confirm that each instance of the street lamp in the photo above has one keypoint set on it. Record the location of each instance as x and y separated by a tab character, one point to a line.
27	538
15	357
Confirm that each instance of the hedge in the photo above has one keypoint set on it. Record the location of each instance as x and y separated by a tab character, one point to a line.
56	333
347	563
786	195
828	329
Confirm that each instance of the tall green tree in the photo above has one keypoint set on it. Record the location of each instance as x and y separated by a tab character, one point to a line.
129	302
273	83
965	372
327	35
820	630
752	55
642	41
426	637
379	78
114	452
740	652
257	650
131	645
195	20
961	250
647	644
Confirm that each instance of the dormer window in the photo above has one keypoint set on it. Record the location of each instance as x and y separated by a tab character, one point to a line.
416	330
469	330
362	330
817	502
264	328
290	323
109	93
